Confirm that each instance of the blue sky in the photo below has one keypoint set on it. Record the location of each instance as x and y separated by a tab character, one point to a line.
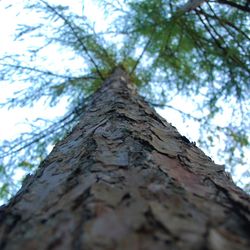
14	121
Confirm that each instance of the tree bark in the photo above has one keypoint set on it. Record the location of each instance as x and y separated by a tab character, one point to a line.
125	179
191	5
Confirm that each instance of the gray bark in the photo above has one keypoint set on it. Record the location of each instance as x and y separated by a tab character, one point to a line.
191	5
125	179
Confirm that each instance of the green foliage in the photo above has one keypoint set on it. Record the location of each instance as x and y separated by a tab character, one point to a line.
204	52
4	190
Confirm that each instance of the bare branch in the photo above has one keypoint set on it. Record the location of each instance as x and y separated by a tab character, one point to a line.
141	55
235	5
75	33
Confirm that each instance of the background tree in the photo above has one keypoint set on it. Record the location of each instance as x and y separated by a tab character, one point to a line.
201	52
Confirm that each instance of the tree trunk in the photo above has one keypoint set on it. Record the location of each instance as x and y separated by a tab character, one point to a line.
124	178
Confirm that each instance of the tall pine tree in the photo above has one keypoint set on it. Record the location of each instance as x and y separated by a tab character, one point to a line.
124	178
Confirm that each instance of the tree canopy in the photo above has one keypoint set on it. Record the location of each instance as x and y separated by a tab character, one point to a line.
198	49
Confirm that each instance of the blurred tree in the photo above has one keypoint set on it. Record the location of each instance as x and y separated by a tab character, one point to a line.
201	52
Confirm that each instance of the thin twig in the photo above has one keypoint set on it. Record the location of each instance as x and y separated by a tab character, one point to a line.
141	55
47	72
77	37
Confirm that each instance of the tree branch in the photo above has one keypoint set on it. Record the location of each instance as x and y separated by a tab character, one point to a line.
46	72
191	5
141	55
221	21
77	37
235	5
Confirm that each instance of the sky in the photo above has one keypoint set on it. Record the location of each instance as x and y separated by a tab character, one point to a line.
14	121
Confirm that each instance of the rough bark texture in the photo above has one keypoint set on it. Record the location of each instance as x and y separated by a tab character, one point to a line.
124	178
